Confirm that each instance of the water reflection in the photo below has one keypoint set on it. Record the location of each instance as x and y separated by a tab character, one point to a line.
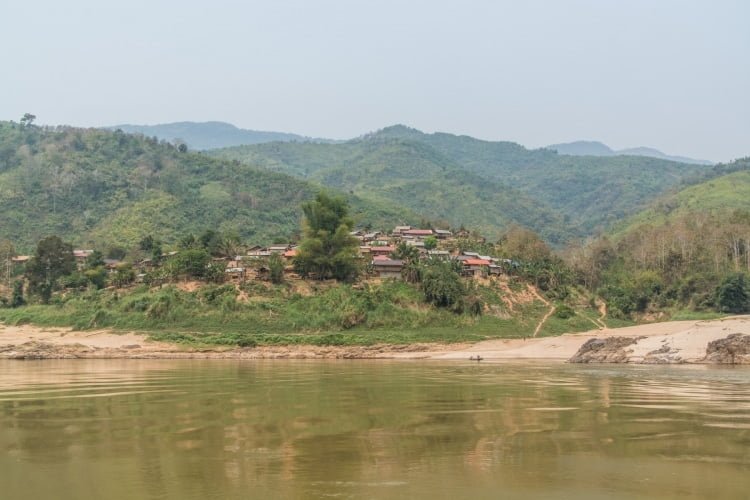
296	429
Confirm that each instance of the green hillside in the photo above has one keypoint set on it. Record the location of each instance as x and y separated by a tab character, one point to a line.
722	193
103	188
559	196
412	174
691	249
593	192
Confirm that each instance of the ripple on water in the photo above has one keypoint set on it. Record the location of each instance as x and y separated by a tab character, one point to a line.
727	425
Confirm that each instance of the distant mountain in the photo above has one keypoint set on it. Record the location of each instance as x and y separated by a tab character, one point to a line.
596	148
482	184
655	153
211	135
583	148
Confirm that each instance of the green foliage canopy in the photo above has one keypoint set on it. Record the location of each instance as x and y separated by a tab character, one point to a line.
52	260
327	249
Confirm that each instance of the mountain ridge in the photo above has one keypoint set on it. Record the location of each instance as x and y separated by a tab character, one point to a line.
596	148
211	134
576	195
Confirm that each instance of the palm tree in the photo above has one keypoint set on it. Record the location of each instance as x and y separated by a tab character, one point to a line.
407	253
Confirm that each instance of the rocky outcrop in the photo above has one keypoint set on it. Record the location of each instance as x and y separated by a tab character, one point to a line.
732	350
46	350
608	350
665	355
43	350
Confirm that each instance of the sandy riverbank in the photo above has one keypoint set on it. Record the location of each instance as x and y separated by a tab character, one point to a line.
686	339
33	342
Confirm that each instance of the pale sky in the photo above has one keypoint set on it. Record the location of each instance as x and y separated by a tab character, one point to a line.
674	75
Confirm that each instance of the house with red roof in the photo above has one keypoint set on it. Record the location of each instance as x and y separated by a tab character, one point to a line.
476	267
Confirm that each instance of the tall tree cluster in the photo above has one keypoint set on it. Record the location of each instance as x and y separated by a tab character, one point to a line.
327	250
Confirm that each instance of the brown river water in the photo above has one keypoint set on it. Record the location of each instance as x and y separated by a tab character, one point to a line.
223	429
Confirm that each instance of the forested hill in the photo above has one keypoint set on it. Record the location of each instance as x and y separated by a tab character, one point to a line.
559	196
412	174
102	188
209	135
690	248
718	193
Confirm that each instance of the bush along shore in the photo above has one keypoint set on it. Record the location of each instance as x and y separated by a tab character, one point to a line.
321	313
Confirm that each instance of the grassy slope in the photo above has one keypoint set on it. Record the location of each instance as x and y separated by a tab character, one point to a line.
386	313
718	195
101	188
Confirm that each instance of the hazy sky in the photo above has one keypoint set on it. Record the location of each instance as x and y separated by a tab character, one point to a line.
669	74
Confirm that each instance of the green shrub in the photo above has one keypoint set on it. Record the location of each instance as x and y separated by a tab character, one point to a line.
732	294
564	312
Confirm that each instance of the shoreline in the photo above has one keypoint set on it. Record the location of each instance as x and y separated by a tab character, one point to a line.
684	341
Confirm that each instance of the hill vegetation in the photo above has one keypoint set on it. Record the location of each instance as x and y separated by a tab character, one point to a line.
488	185
99	188
683	252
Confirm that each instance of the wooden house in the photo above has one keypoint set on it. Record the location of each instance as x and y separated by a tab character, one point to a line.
419	234
387	268
476	267
382	250
235	271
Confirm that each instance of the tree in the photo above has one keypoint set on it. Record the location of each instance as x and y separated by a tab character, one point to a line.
430	243
187	241
276	268
211	241
153	246
27	119
327	249
192	263
442	286
7	252
147	243
407	253
116	253
124	275
96	259
521	244
230	245
16	299
732	294
97	276
52	260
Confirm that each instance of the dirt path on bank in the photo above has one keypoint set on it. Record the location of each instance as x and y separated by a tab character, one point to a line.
546	316
686	338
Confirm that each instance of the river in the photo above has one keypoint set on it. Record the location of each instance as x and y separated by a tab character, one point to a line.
182	429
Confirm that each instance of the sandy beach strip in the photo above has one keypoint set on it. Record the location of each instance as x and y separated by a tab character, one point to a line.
689	338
